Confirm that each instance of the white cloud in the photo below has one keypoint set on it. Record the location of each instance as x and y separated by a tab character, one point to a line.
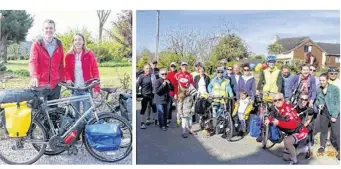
68	20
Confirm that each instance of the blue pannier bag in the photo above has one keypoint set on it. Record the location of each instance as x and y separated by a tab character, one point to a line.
103	136
255	125
274	133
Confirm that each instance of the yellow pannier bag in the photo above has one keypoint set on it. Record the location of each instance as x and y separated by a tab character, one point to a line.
17	118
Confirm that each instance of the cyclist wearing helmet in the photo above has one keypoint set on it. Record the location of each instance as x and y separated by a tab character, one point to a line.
333	73
270	79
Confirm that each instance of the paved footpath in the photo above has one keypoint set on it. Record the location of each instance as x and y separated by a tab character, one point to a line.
155	146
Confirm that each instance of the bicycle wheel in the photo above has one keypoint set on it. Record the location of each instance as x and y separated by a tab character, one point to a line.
15	150
126	139
265	136
229	128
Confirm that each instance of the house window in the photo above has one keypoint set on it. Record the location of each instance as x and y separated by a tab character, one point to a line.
337	59
308	48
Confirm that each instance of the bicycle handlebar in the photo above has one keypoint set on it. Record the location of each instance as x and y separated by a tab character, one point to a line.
87	86
221	97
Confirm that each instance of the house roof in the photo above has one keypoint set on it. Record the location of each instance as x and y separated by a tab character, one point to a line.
330	48
290	43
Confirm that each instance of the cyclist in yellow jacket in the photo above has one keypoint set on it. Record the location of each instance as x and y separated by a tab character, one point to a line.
270	80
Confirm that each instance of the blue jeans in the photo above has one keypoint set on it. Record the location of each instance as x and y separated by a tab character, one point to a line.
162	114
77	104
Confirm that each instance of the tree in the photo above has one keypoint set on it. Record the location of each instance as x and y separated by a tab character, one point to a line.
275	48
67	37
145	58
122	31
14	28
230	47
103	17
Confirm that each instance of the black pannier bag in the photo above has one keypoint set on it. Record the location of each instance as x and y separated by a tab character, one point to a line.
126	106
16	95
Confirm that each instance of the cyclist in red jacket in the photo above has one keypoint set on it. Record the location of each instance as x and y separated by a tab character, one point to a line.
285	117
46	61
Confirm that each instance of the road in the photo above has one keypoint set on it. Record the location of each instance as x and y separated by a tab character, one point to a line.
155	146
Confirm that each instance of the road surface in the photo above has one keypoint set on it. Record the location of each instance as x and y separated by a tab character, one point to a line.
155	146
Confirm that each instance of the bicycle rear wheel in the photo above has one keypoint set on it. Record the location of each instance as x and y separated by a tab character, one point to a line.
126	139
229	128
16	150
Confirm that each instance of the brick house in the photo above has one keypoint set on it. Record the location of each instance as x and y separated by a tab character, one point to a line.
295	50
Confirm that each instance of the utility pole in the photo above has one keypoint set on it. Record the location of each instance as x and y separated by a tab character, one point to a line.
157	34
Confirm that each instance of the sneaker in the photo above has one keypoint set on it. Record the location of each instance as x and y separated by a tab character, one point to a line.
168	121
164	128
328	142
148	122
143	126
320	150
259	139
184	135
155	122
293	162
308	155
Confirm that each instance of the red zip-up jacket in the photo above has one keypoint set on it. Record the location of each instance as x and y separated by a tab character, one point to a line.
48	70
89	67
290	115
171	77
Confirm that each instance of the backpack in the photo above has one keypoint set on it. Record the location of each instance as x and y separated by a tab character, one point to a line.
255	125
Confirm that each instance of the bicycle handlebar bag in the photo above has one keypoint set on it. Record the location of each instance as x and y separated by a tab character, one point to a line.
16	95
17	118
103	136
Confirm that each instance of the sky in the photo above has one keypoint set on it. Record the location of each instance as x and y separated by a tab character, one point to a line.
68	20
257	28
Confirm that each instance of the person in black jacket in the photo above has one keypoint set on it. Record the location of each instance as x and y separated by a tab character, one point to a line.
201	81
146	82
162	89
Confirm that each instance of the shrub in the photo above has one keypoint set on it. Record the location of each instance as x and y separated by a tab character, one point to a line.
22	72
115	64
2	66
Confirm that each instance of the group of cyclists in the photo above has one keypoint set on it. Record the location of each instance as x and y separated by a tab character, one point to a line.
302	104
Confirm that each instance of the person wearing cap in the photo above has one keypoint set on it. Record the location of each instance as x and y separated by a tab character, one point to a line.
219	86
270	79
333	74
184	75
172	102
197	66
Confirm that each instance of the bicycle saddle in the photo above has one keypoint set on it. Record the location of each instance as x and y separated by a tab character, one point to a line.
109	90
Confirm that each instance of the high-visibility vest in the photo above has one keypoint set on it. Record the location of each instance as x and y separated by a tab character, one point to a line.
271	80
220	90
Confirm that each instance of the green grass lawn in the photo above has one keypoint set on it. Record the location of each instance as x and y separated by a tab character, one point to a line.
109	76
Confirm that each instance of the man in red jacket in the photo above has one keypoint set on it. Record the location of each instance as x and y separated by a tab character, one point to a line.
287	120
46	61
171	77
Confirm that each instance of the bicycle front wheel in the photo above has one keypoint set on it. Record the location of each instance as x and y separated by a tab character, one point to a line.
22	150
126	138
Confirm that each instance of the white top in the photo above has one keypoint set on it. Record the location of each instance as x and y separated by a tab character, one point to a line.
202	86
243	104
79	80
237	78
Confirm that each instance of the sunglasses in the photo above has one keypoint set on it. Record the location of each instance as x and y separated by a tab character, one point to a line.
220	72
229	69
304	99
246	70
314	70
277	100
173	66
333	73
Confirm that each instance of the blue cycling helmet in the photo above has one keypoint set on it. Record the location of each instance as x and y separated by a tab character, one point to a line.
271	59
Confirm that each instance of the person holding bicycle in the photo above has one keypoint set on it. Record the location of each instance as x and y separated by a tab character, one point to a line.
303	83
81	66
270	79
219	87
328	101
46	64
285	117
